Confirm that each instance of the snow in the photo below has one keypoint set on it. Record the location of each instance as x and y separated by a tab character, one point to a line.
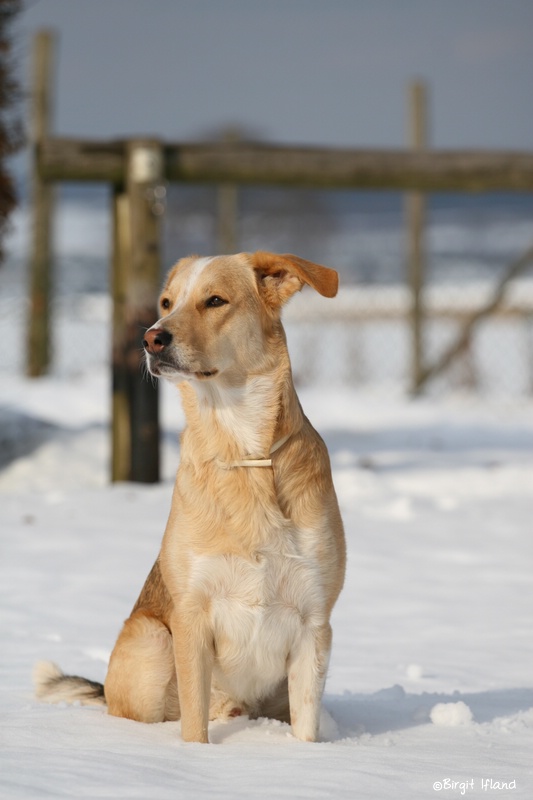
430	686
430	678
451	714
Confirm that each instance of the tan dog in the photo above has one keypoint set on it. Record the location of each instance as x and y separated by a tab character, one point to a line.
234	616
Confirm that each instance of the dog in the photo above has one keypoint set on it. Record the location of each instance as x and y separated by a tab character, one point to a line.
234	617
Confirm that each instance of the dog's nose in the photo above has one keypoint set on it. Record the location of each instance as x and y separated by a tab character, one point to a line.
156	339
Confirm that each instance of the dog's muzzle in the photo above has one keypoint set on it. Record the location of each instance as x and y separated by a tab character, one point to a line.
162	363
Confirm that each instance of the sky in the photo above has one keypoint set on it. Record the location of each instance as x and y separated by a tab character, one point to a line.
322	72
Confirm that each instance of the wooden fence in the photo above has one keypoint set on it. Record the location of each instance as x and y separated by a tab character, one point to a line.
137	167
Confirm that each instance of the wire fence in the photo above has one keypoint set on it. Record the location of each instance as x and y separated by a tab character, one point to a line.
362	338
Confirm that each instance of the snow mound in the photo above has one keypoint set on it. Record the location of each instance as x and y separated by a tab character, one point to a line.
451	715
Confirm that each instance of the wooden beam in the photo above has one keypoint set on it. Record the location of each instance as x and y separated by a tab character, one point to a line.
363	169
61	159
430	171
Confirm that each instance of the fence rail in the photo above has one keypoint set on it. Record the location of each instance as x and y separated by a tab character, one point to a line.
62	159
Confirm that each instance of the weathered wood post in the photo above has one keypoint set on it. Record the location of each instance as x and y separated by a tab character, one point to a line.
227	207
416	216
121	416
40	261
136	282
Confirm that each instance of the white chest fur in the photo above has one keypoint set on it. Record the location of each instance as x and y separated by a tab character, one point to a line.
257	611
237	410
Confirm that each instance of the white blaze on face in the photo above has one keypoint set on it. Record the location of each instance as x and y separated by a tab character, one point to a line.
191	281
195	271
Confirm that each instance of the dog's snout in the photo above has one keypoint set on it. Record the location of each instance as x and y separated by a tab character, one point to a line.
156	339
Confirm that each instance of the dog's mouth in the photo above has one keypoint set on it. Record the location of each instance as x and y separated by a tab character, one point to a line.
161	368
207	374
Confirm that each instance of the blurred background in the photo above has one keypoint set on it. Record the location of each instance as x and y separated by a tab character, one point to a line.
333	73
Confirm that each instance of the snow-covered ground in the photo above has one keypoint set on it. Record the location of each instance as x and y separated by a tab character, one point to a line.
430	687
431	676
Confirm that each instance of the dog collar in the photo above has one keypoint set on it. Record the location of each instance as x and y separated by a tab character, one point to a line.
256	462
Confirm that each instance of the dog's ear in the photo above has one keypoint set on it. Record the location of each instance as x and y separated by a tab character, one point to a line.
280	276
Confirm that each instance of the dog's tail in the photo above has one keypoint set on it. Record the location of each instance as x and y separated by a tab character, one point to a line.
53	686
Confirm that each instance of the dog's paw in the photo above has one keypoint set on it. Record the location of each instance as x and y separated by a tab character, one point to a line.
224	707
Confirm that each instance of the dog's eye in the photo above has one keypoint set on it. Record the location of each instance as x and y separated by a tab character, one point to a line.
215	301
165	303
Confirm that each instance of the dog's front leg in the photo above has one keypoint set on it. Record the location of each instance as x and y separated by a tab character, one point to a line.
194	654
308	665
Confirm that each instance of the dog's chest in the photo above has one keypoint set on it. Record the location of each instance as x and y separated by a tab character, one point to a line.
257	611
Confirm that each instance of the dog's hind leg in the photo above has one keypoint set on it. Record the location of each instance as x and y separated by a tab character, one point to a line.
141	680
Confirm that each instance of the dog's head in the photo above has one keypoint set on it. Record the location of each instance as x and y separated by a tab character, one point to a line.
218	314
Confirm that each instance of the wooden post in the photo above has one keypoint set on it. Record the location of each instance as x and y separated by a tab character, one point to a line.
38	340
121	416
227	212
416	214
136	283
